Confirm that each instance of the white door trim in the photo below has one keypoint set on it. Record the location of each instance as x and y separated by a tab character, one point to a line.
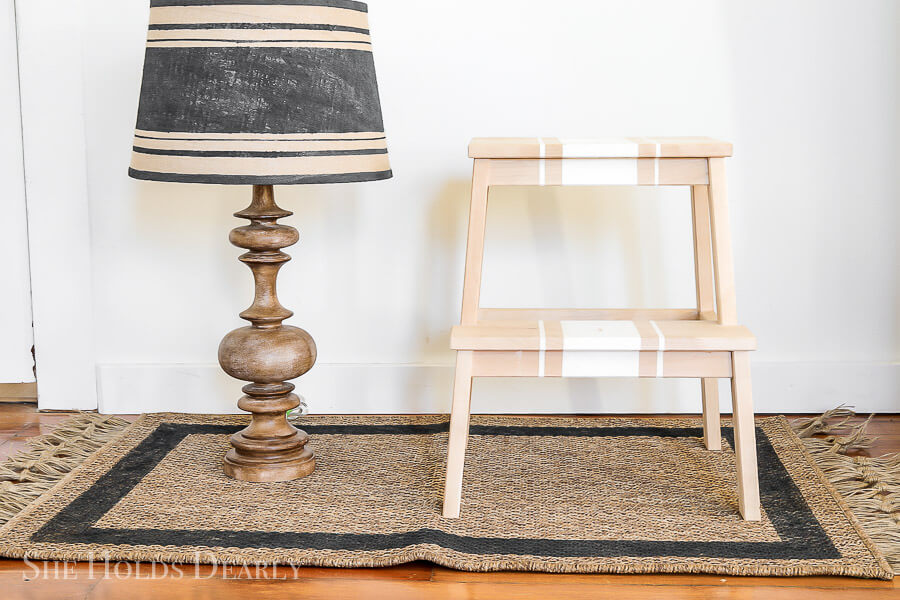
16	364
57	201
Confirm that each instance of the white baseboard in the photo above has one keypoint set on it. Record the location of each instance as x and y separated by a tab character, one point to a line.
782	387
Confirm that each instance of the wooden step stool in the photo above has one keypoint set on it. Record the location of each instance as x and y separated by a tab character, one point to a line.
704	342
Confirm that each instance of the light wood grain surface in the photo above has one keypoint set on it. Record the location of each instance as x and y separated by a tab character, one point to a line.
705	342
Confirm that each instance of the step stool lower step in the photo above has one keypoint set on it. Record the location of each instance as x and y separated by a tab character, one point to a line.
584	335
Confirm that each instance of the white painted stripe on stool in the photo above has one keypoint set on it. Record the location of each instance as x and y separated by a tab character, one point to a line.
608	148
600	349
661	341
600	363
542	153
600	171
656	152
600	335
542	347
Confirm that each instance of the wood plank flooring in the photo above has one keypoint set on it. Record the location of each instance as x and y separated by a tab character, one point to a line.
37	580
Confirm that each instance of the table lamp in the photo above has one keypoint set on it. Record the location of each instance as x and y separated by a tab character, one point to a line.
261	92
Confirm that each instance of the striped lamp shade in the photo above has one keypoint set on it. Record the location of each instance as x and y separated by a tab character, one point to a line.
259	92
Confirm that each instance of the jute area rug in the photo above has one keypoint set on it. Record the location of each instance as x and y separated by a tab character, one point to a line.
542	494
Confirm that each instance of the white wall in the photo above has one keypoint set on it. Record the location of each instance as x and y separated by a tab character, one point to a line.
807	91
15	290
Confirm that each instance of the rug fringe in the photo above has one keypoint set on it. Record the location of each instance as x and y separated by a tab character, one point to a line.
810	426
869	485
48	458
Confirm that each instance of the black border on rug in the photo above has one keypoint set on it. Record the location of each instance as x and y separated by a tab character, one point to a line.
802	536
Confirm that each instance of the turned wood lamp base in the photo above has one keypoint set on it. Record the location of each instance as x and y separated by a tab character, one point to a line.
267	354
270	448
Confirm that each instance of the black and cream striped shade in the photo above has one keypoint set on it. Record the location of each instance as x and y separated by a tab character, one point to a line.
259	92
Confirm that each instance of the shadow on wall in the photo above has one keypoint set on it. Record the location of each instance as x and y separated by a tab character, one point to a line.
553	247
440	291
442	261
559	247
188	225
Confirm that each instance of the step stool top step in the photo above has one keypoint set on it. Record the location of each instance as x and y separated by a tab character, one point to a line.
624	147
696	336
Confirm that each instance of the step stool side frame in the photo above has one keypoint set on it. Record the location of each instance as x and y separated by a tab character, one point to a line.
714	278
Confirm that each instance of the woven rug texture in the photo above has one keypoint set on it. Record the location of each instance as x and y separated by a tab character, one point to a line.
547	494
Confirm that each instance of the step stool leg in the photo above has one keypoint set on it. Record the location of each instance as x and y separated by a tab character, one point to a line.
712	428
475	242
723	265
459	433
462	383
744	436
706	307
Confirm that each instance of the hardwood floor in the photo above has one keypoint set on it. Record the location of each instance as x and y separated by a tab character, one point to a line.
20	579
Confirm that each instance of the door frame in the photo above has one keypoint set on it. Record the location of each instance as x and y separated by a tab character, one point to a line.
49	39
16	363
